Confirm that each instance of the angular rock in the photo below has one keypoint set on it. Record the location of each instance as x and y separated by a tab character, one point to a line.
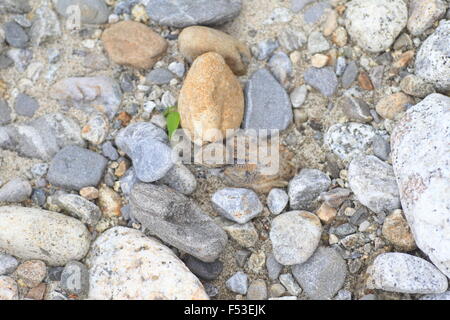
288	281
177	220
25	105
356	109
238	283
39	234
317	43
46	26
184	13
204	270
281	67
423	14
32	272
396	231
78	207
323	79
349	75
305	188
388	107
421	159
264	49
237	204
401	272
5	112
124	264
92	11
245	235
257	290
295	236
267	104
16	190
273	267
15	36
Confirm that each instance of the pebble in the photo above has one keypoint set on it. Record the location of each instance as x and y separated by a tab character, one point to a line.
75	279
315	12
416	87
15	35
20	57
420	160
322	79
244	234
273	267
177	68
8	287
401	272
31	272
237	204
305	188
257	290
109	151
319	60
238	283
184	13
211	100
364	81
340	37
291	39
265	48
177	220
377	31
373	182
423	14
277	290
109	201
96	129
326	213
322	275
241	257
432	58
5	112
288	281
396	231
295	236
390	106
133	44
37	293
298	96
267	105
78	207
298	5
15	190
26	105
281	67
75	168
279	15
159	76
197	40
317	43
204	270
277	201
8	264
46	26
355	109
381	147
93	11
349	75
335	197
181	179
124	264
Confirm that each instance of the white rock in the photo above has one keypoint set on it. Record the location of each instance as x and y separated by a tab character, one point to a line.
421	161
375	24
42	235
127	265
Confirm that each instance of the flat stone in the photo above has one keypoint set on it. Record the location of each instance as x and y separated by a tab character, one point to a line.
184	13
322	79
295	236
204	270
401	272
423	14
237	204
238	283
124	264
159	76
305	188
7	264
322	275
267	104
25	105
349	75
317	43
75	168
78	207
355	109
177	220
92	11
15	190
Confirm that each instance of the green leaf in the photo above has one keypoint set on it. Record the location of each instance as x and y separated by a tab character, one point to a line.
173	122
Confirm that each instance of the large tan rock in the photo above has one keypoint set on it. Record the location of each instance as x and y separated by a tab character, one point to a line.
133	44
197	40
211	100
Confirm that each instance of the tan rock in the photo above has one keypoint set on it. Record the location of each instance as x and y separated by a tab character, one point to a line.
195	41
388	107
133	44
319	60
396	231
211	100
340	37
109	202
8	289
326	213
32	272
89	193
364	81
330	23
37	293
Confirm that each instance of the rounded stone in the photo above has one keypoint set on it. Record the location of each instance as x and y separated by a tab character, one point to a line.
390	106
92	11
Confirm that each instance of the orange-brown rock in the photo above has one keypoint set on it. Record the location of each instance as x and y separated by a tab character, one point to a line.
109	202
133	44
211	100
397	232
388	107
197	40
364	81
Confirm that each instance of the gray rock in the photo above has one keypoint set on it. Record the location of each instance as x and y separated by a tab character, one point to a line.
25	105
341	64
298	5
373	182
39	197
420	159
295	236
177	220
159	76
335	197
288	281
416	86
204	270
423	14
317	43
377	31
7	264
322	275
242	256
177	68
322	79
343	230
237	204
273	267
109	151
238	283
432	58
267	104
79	208
92	11
5	112
291	39
16	190
211	290
45	26
184	13
355	109
298	96
265	49
75	279
257	290
15	35
14	6
277	201
401	272
281	67
305	188
75	168
128	181
349	75
96	129
20	57
181	179
437	296
316	11
381	147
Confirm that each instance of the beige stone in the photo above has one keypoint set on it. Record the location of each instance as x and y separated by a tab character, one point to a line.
89	193
197	40
330	23
319	60
8	289
211	100
109	202
133	44
396	231
32	272
340	37
388	107
326	213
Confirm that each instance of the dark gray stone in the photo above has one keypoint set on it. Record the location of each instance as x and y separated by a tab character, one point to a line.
181	179
25	105
5	112
110	151
75	279
15	35
350	73
323	79
204	270
159	76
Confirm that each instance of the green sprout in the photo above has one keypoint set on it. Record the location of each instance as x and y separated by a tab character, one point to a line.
173	120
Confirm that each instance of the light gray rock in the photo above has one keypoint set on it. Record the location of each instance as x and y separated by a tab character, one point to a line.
278	15
277	200
5	112
355	109
78	207
75	279
267	104
322	275
317	43
273	267
52	237
75	168
96	129
237	204
316	11
298	96
375	24
288	281
124	264
177	68
257	290
423	14
177	220
128	181
281	67
305	188
264	49
20	57
437	296
401	272
291	39
109	151
432	58
322	79
159	76
181	179
14	6
298	5
349	75
295	236
381	147
373	182
184	13
25	105
7	264
16	190
421	160
92	11
238	283
45	26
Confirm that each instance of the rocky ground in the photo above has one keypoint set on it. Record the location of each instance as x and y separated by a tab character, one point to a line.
93	206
